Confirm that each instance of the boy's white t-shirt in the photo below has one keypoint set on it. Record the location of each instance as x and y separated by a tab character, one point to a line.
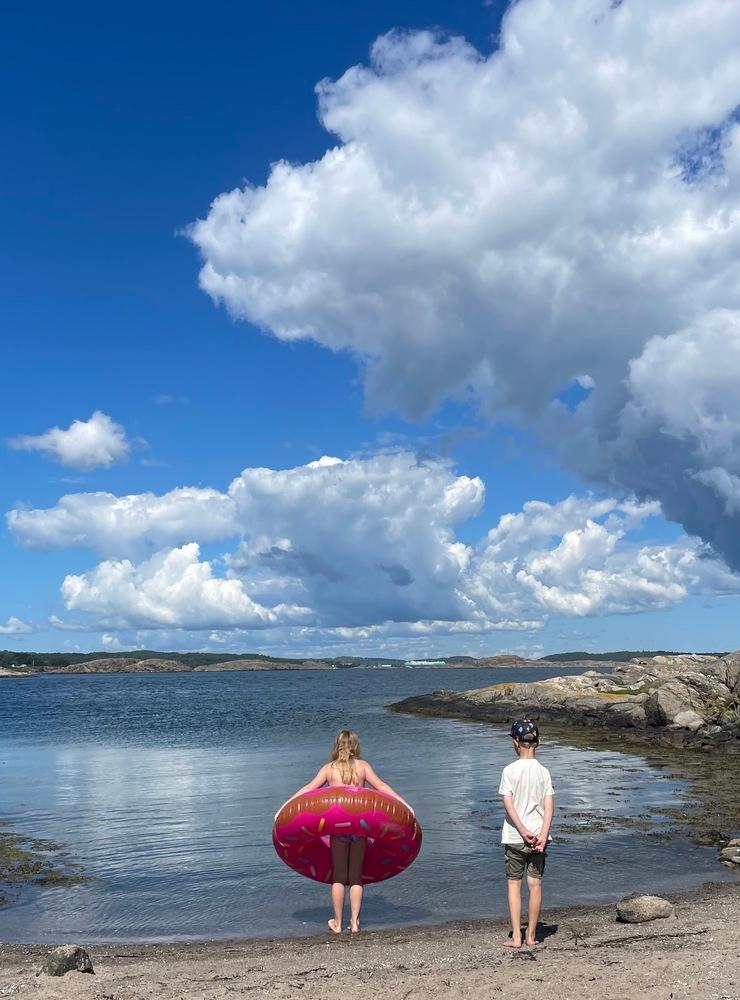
528	782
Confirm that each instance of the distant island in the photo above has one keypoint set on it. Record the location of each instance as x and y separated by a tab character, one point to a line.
19	664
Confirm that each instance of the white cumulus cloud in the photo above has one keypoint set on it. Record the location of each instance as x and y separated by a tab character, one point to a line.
500	224
85	444
370	539
577	558
14	626
127	525
172	589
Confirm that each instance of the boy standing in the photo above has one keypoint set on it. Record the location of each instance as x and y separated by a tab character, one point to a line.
527	793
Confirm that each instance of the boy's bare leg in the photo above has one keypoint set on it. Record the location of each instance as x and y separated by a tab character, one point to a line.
356	857
515	913
535	907
339	856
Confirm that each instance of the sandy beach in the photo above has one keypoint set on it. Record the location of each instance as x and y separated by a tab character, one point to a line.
585	952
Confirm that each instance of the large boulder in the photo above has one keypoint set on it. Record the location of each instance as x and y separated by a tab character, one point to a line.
730	666
637	909
730	855
688	720
627	714
68	958
673	698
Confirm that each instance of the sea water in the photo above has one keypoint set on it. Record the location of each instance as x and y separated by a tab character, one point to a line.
164	787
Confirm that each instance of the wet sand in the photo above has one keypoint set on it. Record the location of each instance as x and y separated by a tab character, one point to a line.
584	953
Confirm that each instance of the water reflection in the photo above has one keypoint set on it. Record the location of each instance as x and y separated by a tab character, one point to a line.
165	787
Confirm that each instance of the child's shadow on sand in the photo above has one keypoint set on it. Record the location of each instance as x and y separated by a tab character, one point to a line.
378	910
543	930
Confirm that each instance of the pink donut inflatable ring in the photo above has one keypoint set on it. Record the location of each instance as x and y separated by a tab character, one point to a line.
304	826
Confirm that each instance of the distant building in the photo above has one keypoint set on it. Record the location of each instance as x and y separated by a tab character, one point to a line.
425	663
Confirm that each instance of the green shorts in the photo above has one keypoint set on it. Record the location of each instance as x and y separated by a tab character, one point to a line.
517	859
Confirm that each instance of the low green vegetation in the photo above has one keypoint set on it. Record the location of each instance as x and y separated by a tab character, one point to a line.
628	692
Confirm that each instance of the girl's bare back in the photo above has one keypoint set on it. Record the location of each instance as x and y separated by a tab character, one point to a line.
360	776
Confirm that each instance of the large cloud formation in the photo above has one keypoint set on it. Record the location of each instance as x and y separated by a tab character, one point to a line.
567	207
360	548
172	589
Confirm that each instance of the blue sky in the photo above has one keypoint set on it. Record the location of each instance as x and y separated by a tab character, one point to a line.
122	128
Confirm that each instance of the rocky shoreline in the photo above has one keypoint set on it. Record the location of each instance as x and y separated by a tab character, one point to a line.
688	701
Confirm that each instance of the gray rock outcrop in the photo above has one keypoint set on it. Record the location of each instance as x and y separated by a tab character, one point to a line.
691	701
263	664
67	958
638	909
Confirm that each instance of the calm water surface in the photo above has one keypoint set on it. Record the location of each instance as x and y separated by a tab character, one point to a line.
164	787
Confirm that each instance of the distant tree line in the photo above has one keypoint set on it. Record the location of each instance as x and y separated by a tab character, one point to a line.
38	660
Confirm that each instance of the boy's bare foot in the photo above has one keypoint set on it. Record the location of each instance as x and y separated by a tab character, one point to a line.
355	928
530	937
334	926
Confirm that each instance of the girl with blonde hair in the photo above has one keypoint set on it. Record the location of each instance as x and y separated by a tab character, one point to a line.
346	767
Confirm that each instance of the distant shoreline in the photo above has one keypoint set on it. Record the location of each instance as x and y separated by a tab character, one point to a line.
14	663
129	665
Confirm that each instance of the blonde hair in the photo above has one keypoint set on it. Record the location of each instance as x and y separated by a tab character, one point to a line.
345	753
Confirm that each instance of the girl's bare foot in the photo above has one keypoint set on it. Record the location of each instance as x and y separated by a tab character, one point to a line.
513	942
334	926
355	928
